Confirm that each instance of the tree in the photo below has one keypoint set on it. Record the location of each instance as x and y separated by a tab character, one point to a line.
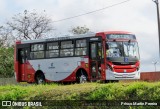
6	61
30	25
79	30
23	26
6	37
6	52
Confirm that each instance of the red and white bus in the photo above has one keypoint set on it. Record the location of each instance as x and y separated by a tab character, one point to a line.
112	55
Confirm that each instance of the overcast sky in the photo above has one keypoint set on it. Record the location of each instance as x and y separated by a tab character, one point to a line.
137	16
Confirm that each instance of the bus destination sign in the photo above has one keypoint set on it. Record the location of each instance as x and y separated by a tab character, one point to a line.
121	36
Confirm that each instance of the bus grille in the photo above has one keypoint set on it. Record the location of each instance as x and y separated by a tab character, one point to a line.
124	63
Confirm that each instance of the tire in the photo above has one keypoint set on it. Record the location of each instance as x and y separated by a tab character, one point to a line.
111	81
81	77
40	79
115	81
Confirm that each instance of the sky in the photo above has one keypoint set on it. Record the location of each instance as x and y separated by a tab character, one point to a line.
136	16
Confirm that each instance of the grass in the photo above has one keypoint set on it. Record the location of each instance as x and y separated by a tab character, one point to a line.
23	92
87	91
125	91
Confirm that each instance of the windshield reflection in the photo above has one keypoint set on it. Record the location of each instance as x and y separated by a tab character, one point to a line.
122	49
115	49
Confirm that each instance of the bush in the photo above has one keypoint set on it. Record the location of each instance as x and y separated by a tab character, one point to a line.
6	61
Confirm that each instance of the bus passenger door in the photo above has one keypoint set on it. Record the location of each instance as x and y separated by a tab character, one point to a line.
95	60
22	58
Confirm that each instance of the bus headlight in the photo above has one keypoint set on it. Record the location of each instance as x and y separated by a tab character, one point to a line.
133	66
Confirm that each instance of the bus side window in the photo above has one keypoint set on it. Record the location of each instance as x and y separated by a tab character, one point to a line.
37	51
81	47
67	48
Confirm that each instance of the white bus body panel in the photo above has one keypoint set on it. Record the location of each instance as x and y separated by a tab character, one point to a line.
57	69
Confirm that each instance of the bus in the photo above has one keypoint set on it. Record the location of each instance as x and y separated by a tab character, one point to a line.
104	56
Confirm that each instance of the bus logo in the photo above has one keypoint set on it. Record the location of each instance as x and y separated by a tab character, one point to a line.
51	67
52	64
6	103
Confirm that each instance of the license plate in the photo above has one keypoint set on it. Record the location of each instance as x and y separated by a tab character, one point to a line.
124	75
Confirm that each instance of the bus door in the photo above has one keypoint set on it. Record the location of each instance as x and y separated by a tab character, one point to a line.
22	67
95	60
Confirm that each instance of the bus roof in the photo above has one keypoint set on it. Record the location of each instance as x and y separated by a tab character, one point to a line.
115	32
59	38
72	37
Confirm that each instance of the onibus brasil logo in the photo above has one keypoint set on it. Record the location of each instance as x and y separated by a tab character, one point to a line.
21	103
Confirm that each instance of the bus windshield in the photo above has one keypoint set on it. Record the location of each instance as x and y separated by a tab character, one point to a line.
122	49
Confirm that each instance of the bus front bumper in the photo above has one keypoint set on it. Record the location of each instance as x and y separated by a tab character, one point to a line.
110	75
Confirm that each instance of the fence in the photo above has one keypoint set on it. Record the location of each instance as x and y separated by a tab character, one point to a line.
5	81
150	76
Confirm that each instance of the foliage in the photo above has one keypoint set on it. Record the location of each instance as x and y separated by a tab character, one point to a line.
86	91
23	26
6	37
23	92
6	61
79	30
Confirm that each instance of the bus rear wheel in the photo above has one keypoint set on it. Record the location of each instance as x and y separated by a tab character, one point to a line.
40	79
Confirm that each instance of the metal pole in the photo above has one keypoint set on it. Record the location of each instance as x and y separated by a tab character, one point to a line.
154	63
155	66
157	4
158	24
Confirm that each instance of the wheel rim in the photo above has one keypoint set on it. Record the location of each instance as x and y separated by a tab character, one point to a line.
82	79
40	79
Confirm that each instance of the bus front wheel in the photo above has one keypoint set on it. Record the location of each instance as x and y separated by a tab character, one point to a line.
81	76
40	79
111	81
